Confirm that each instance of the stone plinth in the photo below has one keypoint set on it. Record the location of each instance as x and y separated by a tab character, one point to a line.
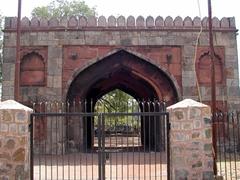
14	141
191	141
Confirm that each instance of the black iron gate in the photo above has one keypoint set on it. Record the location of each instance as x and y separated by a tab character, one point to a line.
227	129
99	146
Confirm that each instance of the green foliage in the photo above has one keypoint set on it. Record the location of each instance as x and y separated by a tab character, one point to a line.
62	8
117	101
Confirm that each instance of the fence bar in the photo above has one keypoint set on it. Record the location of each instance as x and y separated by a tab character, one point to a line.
99	133
168	146
228	144
68	151
31	147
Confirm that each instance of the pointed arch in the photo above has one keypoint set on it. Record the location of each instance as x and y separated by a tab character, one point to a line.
32	70
203	67
127	70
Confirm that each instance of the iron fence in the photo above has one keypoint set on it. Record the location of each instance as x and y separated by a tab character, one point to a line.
227	127
77	141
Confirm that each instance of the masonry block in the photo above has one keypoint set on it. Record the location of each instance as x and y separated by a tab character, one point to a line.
73	22
82	21
121	21
191	140
34	22
25	23
188	22
92	21
112	21
14	140
102	22
142	35
159	22
43	23
150	22
140	22
131	21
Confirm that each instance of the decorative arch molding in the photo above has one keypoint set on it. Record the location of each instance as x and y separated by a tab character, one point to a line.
138	59
32	69
203	66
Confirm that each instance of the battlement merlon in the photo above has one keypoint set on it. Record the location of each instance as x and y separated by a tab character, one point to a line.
101	23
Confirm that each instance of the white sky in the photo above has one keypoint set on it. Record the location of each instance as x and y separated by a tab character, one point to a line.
183	8
163	8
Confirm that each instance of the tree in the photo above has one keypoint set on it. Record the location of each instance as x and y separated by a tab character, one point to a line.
117	101
62	8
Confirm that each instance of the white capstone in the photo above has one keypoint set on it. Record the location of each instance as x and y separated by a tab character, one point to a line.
187	103
13	105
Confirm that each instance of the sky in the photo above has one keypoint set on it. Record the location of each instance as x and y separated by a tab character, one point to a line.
183	8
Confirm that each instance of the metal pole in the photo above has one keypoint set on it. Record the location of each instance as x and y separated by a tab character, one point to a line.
31	146
213	85
17	63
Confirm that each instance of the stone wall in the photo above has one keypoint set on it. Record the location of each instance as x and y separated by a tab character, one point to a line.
14	141
191	140
120	22
62	38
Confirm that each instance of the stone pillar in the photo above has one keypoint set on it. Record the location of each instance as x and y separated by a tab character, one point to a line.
191	141
14	141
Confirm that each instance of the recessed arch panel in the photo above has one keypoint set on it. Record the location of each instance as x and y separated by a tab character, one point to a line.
32	70
126	71
120	70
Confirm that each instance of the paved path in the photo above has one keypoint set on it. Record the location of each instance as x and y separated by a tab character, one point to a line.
84	166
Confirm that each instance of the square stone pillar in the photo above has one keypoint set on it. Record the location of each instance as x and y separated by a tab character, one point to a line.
191	141
14	141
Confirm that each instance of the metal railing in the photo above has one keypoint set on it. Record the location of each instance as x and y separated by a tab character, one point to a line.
227	127
67	142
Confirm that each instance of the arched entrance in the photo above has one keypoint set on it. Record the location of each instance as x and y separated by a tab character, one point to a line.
122	70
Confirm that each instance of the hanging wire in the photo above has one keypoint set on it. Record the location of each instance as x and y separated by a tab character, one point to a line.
195	53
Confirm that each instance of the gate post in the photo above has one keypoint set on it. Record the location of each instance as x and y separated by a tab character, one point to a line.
191	155
14	141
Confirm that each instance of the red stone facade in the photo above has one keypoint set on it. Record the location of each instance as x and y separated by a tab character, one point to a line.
84	58
203	66
33	66
168	58
161	54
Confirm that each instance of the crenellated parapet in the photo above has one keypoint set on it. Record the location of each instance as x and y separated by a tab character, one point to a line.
121	22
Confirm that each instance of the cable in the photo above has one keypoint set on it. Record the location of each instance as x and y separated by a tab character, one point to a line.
195	54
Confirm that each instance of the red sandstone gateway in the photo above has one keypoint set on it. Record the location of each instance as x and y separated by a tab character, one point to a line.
82	59
147	58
